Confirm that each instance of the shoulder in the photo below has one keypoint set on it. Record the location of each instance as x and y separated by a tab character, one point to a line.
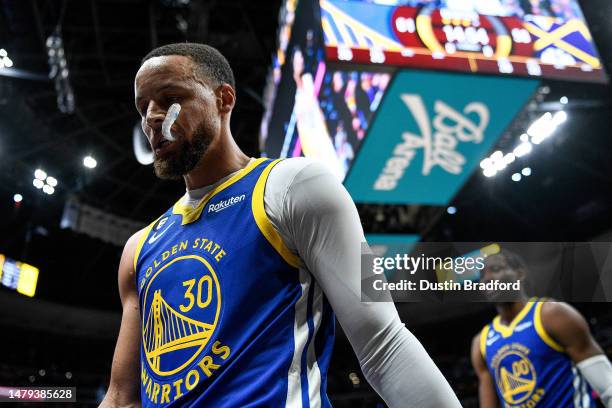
132	247
127	268
561	325
295	169
478	341
298	178
553	310
560	315
132	243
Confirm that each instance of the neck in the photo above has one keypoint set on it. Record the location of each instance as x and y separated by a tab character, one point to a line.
223	157
508	310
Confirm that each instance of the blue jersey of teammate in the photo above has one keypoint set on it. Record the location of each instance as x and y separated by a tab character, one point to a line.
529	367
228	317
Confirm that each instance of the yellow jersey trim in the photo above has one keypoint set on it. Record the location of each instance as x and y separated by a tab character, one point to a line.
141	241
483	341
506	331
537	321
263	222
190	214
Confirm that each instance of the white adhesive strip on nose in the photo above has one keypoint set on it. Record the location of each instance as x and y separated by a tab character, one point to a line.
171	116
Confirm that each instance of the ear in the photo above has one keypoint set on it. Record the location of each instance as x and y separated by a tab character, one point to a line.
226	98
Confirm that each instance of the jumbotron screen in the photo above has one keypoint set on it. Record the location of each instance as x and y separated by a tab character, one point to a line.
538	38
18	276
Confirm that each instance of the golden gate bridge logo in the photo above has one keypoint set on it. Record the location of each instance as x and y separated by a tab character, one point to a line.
516	377
166	330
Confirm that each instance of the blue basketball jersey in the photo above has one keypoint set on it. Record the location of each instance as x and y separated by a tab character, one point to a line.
229	319
529	367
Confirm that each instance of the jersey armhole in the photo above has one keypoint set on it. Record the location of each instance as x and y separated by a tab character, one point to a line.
141	241
483	341
263	222
537	322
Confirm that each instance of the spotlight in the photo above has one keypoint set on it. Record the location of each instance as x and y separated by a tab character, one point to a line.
451	210
52	181
44	181
5	61
89	162
59	73
559	117
524	137
499	165
516	177
526	171
485	163
18	198
509	158
542	127
563	100
489	172
522	149
40	174
497	160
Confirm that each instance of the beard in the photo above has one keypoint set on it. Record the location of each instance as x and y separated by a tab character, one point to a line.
189	154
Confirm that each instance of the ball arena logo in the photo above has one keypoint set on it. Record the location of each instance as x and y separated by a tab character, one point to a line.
440	145
516	377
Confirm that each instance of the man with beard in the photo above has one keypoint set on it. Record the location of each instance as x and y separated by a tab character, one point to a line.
536	353
228	296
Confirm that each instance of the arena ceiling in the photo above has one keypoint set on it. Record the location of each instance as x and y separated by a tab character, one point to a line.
104	42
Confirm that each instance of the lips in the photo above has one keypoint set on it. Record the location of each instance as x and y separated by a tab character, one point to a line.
161	146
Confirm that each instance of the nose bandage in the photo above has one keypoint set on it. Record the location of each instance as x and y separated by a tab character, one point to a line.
171	116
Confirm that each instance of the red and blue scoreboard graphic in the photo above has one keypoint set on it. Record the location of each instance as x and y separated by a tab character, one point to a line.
483	36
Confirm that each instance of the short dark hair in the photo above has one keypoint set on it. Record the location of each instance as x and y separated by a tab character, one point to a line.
209	61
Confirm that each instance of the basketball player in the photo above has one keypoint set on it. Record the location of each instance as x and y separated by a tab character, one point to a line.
536	353
228	296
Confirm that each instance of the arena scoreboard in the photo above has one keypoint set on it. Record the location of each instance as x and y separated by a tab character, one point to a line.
534	38
18	276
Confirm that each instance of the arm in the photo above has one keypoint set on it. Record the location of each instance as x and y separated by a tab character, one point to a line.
568	328
123	391
486	387
321	222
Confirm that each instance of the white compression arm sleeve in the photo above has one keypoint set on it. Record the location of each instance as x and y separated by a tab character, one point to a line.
316	217
598	372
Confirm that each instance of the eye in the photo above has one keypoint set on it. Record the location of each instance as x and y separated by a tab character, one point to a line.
143	125
173	99
142	109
